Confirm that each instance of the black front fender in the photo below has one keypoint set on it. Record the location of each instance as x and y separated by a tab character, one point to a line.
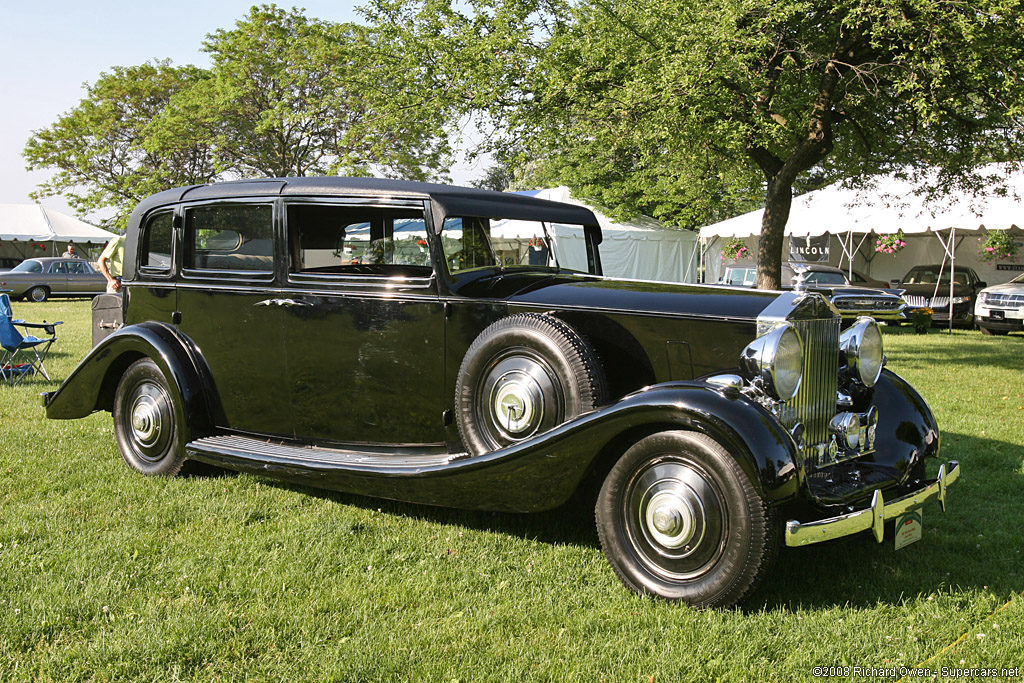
91	385
544	472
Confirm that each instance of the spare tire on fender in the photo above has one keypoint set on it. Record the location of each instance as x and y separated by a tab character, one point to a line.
524	375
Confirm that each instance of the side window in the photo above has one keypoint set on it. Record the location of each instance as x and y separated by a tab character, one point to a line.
157	238
467	243
230	237
58	267
77	268
330	239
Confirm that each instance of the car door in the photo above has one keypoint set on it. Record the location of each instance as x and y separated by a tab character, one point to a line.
364	342
82	279
230	306
57	277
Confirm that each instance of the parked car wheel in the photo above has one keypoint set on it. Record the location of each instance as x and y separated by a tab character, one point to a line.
146	421
37	294
522	376
679	519
991	332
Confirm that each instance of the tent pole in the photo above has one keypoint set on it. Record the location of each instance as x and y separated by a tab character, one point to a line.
952	274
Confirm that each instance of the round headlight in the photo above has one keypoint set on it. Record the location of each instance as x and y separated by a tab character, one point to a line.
778	359
861	348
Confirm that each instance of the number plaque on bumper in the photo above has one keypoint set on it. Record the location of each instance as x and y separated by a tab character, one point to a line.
874	516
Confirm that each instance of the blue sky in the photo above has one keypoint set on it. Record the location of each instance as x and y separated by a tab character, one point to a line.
49	48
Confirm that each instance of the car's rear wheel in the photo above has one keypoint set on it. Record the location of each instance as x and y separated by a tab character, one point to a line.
524	375
678	518
146	421
38	294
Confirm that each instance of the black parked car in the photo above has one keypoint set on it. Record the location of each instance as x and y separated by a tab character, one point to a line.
387	338
852	301
928	287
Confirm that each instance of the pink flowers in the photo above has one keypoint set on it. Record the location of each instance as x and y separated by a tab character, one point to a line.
890	244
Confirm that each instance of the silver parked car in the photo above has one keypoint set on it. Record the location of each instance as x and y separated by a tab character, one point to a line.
1000	308
37	279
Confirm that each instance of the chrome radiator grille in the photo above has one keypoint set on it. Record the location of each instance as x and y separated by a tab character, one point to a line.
920	301
815	403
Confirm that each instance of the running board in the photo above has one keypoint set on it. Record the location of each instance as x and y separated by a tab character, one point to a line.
261	454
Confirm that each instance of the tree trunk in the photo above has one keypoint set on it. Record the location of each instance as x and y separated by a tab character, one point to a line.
777	203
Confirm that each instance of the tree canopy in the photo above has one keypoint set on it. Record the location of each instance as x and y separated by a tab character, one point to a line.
100	150
683	109
285	95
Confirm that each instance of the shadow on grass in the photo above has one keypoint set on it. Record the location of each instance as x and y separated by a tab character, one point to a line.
975	545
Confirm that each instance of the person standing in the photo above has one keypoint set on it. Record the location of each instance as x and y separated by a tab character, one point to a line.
70	251
110	263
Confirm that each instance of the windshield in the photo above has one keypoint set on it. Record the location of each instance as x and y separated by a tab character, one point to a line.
1018	279
29	266
472	243
825	278
927	275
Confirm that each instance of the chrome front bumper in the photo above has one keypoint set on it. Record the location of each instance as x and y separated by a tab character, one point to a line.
875	516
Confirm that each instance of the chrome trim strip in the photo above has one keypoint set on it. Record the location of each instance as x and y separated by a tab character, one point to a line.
875	516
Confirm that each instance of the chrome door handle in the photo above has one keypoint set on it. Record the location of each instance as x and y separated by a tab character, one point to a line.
287	303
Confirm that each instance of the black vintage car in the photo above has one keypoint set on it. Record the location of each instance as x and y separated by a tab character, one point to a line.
929	287
392	339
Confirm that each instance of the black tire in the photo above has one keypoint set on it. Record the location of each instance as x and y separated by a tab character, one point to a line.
524	375
147	422
993	333
679	519
38	294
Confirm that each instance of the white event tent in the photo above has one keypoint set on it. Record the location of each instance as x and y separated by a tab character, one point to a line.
28	230
641	248
852	216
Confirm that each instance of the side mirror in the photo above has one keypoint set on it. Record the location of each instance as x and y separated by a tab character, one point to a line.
894	283
982	284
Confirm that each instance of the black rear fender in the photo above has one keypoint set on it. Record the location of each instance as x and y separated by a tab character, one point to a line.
91	386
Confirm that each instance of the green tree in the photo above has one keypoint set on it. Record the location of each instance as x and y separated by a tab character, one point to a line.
675	107
99	151
293	96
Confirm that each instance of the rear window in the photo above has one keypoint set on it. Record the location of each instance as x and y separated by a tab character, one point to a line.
231	238
28	267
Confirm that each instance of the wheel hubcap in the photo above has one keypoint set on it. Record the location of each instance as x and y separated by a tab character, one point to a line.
517	400
670	519
675	518
149	421
519	397
146	420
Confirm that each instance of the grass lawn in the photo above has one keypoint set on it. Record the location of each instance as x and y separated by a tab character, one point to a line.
108	575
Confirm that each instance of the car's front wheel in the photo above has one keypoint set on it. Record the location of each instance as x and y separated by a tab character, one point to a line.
146	421
38	294
678	518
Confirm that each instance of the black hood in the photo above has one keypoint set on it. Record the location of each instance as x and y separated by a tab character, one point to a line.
572	290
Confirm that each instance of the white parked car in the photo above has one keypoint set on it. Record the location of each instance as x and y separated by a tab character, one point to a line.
1000	308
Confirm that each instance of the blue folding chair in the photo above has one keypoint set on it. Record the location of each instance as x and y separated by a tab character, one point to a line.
22	354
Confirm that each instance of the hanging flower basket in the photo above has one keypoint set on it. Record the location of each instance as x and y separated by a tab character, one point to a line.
890	244
734	250
997	245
